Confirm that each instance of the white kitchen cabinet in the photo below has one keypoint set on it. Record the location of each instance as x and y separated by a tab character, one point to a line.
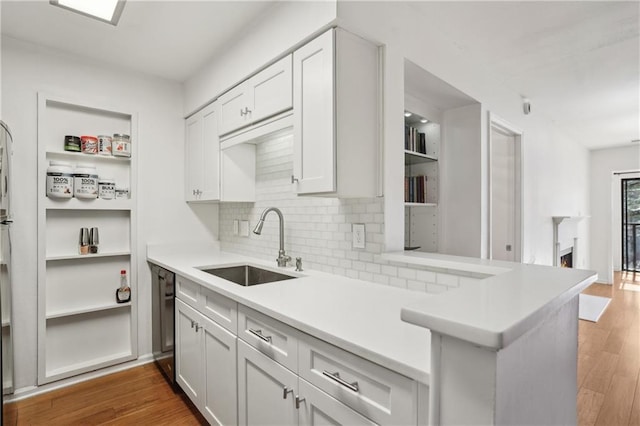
277	375
188	354
202	156
318	408
206	365
267	93
266	390
81	327
336	116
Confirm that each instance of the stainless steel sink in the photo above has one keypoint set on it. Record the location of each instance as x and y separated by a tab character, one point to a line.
247	275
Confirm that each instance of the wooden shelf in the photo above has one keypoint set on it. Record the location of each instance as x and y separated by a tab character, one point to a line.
89	310
89	157
94	204
87	256
413	157
420	204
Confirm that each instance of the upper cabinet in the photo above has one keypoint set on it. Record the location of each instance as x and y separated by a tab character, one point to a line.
336	114
202	156
267	93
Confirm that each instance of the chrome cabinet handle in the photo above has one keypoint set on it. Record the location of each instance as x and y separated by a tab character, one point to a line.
294	179
198	327
193	323
259	335
247	110
336	377
298	401
242	113
285	391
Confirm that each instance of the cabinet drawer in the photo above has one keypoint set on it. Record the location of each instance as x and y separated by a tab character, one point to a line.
375	392
220	309
187	291
319	408
271	337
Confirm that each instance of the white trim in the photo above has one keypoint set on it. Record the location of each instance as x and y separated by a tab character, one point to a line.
498	123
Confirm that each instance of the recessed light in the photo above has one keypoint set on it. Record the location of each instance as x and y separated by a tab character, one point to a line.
108	11
407	114
424	120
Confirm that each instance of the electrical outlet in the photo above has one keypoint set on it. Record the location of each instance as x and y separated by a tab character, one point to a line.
357	229
236	227
244	228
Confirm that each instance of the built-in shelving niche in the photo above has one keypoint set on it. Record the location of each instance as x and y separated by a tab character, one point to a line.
81	328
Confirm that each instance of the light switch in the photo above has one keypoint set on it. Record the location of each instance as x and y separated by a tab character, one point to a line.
244	228
358	235
236	226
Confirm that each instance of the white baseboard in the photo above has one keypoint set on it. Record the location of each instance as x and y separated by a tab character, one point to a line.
28	392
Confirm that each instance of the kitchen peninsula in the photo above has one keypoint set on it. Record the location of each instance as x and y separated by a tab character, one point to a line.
485	331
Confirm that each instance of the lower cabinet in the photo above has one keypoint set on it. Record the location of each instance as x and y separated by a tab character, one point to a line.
206	365
318	408
266	390
273	374
270	394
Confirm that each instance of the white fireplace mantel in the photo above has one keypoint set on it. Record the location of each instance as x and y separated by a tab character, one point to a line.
557	220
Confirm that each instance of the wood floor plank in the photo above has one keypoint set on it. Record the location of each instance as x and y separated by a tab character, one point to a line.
634	418
599	379
616	408
589	403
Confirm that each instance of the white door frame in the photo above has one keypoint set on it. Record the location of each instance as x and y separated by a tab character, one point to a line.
496	122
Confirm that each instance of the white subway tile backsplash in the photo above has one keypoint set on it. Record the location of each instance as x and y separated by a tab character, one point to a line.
319	229
447	279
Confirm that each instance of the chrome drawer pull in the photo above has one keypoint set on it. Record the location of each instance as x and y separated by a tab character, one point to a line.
285	391
336	377
259	335
298	401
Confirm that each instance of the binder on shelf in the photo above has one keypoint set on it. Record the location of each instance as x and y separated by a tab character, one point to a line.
415	189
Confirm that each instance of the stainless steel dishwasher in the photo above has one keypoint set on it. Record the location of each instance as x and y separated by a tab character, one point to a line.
162	312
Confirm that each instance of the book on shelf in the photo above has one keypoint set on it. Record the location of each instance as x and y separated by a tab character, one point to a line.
415	189
414	140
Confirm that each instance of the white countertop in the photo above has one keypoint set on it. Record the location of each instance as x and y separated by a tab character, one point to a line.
357	316
500	308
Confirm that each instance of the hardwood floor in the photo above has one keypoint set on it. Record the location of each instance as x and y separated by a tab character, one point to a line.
139	396
608	379
609	357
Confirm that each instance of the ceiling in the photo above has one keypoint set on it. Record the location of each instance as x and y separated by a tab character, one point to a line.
578	62
170	39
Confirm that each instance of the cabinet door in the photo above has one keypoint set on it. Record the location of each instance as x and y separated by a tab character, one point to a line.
210	156
189	354
271	90
314	150
202	156
318	408
220	401
193	159
234	106
261	386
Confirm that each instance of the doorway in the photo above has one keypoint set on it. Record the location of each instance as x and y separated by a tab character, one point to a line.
505	191
630	207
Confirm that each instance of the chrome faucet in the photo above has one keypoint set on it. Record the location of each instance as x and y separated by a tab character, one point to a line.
282	256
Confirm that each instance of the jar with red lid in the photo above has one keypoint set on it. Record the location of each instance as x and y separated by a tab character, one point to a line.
89	144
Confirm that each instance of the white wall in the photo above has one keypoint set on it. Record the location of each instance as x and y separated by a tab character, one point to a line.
555	167
275	33
163	216
605	200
